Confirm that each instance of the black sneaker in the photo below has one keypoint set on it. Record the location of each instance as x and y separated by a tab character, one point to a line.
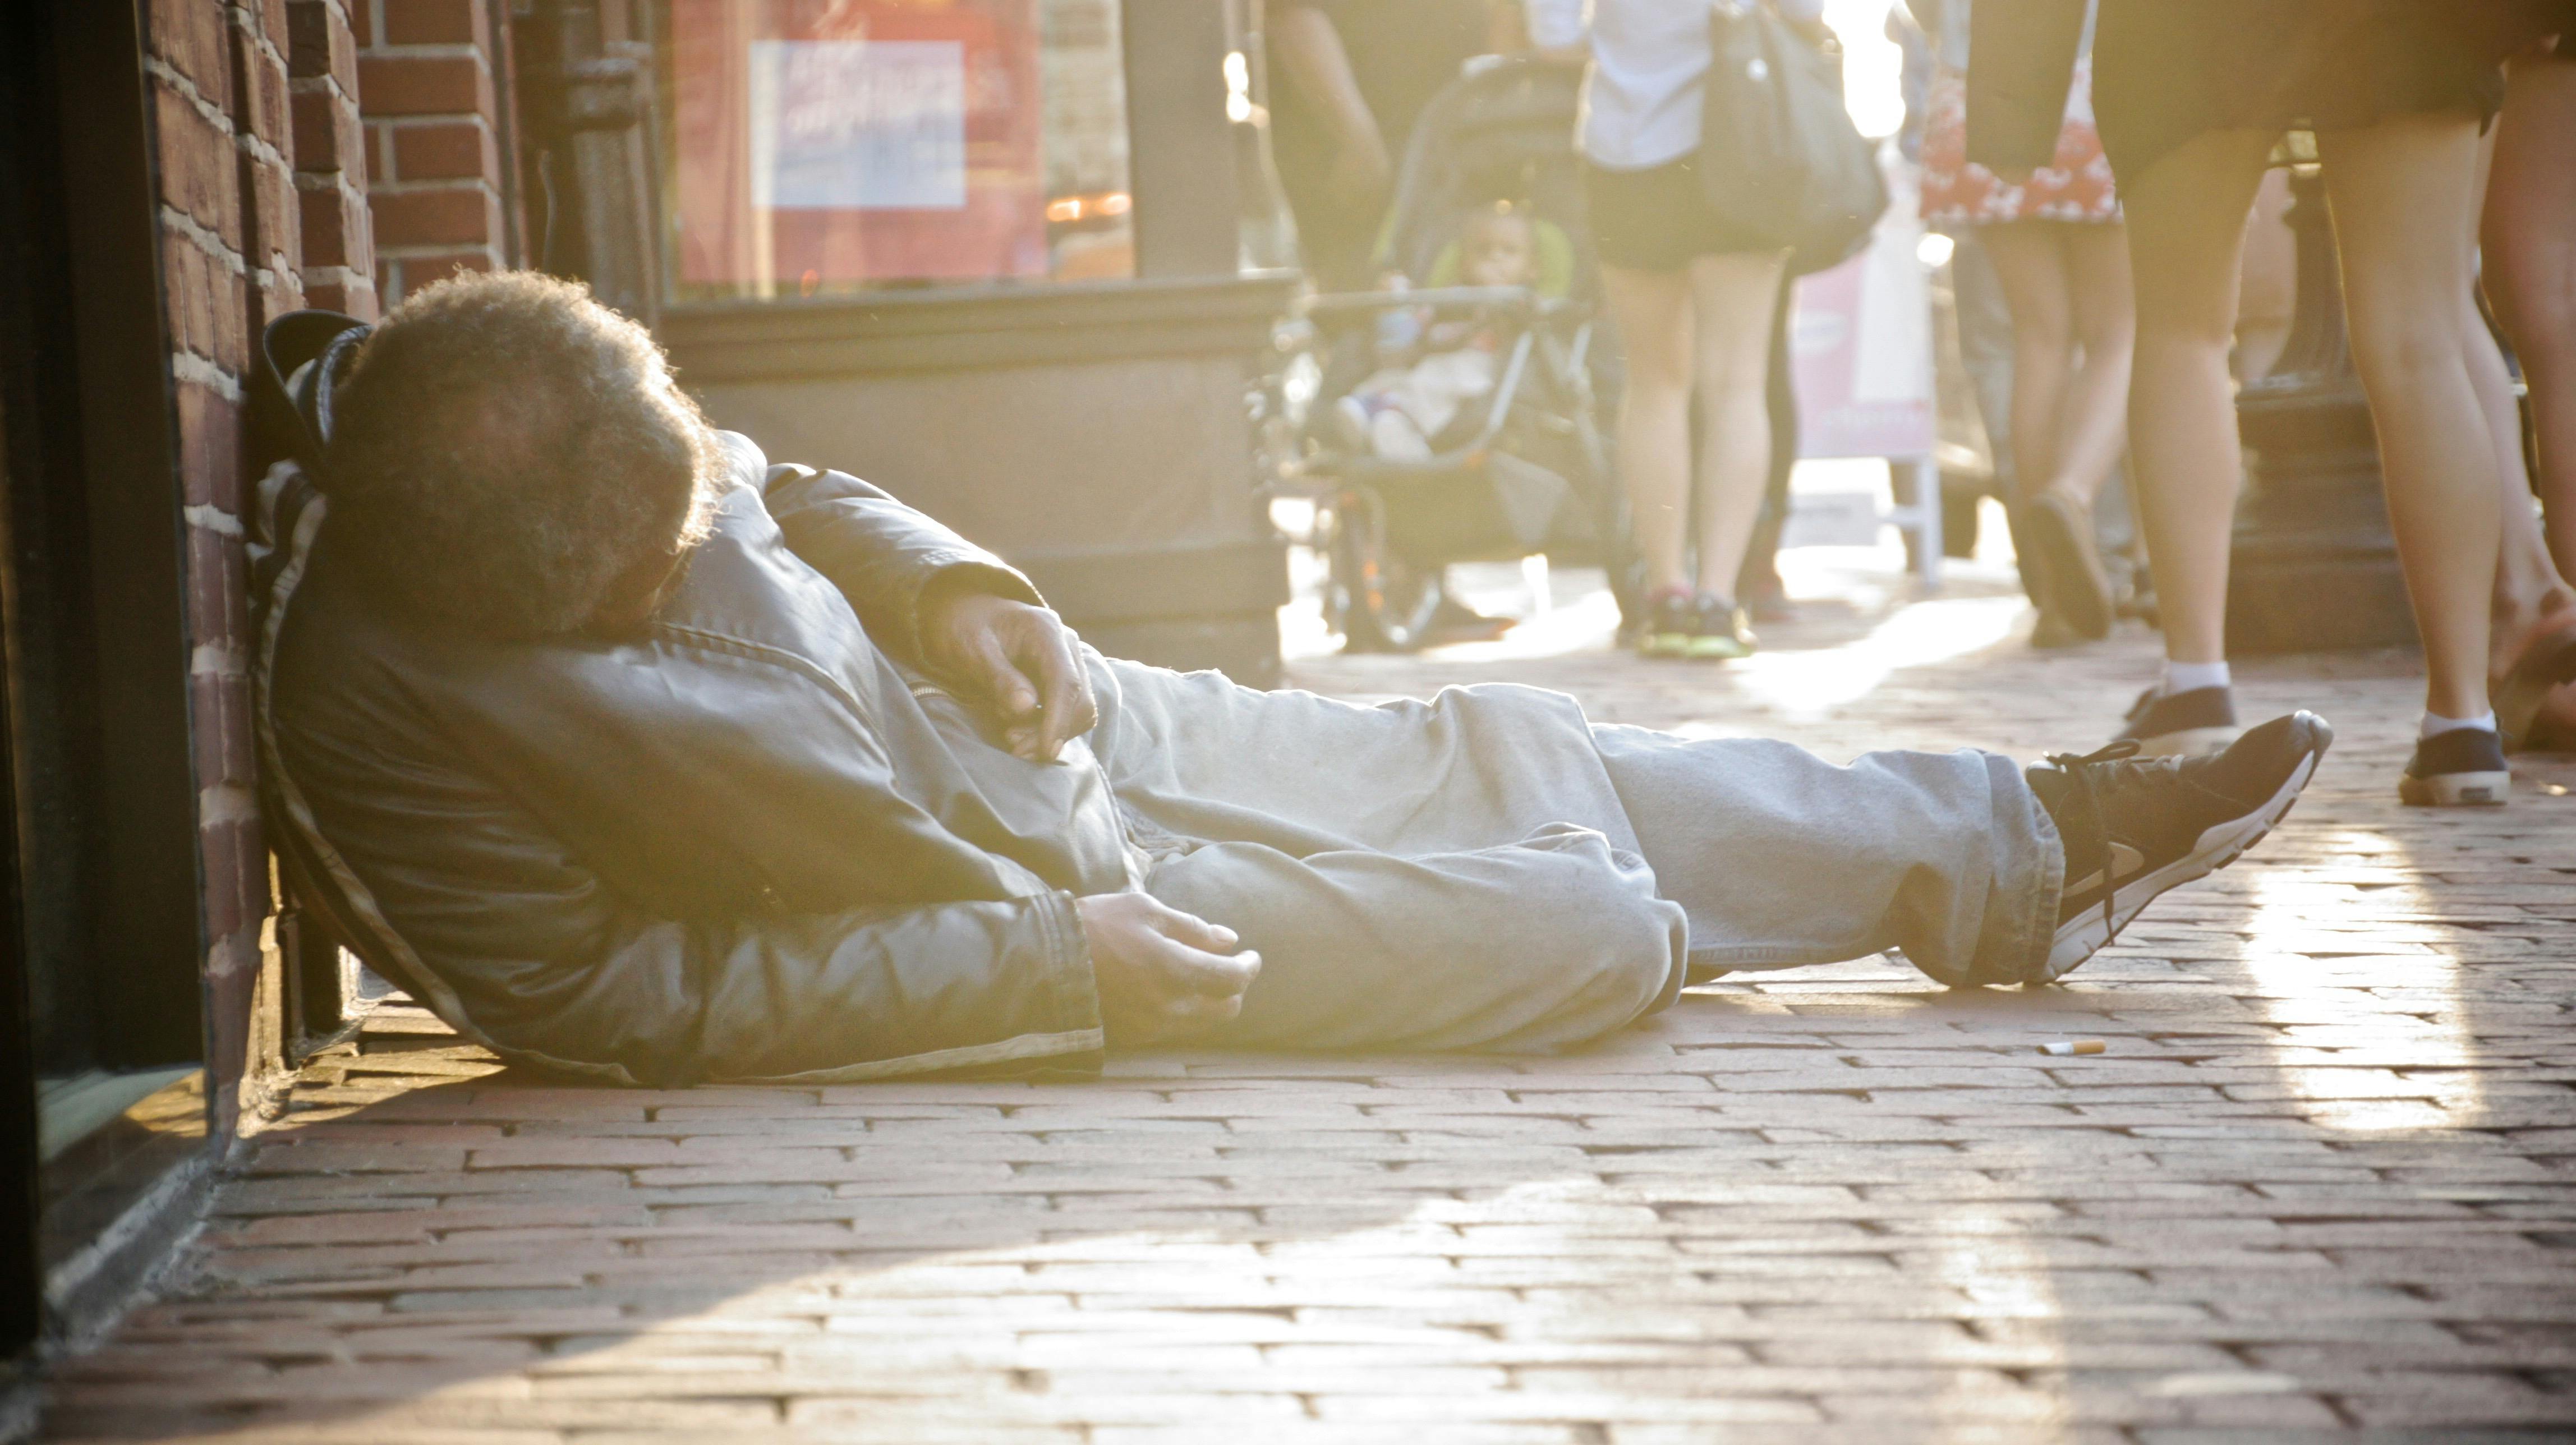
2060	530
2462	768
2182	724
2133	828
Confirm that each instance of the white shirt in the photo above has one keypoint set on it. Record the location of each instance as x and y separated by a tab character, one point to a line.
1641	94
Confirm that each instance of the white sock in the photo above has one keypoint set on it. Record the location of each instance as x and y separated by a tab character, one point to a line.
2435	724
2193	676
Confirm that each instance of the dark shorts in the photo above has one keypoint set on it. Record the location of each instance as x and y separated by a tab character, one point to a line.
1656	219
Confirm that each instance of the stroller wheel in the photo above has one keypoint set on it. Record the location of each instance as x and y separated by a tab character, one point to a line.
1383	602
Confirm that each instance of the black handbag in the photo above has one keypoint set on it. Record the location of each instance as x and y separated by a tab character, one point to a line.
1779	158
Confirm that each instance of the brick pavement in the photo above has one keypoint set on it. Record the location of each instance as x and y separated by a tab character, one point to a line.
2318	1183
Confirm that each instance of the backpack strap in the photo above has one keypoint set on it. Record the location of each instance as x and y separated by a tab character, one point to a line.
302	357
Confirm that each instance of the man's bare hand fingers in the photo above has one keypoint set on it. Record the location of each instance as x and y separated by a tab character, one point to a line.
1195	931
1014	697
1070	711
1217	975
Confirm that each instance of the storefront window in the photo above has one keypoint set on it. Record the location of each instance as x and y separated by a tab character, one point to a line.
830	146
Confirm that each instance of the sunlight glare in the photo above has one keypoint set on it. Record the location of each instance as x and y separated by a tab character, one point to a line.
1810	684
2361	1046
1872	65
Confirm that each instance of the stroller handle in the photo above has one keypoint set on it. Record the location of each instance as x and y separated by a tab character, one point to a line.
1349	306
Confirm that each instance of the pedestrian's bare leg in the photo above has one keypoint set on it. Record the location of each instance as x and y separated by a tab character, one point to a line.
2530	235
2186	223
1653	313
2094	427
2269	291
2031	265
2531	599
2401	195
1732	297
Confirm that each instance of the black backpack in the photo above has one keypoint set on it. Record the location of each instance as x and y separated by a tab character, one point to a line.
1779	156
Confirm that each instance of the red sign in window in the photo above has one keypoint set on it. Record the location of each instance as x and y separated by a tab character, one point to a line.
822	144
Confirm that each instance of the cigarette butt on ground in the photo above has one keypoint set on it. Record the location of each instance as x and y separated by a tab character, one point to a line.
2063	1047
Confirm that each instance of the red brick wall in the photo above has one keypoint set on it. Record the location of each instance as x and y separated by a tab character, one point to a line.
330	157
321	152
433	78
232	259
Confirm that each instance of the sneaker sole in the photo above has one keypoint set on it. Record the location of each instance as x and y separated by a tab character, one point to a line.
1716	650
2080	937
1671	645
2455	790
2189	742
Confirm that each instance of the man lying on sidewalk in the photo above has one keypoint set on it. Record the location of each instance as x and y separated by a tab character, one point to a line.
632	753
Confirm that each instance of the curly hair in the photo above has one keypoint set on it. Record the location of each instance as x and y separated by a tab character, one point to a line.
508	455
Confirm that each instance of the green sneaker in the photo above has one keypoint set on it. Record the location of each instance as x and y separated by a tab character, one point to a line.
1722	633
1672	625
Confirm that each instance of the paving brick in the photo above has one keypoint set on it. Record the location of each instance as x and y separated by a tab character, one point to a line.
2326	1175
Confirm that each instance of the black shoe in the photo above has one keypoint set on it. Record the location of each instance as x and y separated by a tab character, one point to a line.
2060	530
2051	631
2134	828
2182	724
2028	559
2462	768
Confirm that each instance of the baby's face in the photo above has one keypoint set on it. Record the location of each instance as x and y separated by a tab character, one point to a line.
1502	251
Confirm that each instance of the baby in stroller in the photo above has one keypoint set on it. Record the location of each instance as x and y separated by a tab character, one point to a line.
1429	368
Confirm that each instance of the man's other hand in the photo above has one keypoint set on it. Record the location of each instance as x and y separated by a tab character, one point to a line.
1019	661
1161	973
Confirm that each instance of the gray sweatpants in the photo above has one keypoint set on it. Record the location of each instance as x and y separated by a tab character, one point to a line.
1491	870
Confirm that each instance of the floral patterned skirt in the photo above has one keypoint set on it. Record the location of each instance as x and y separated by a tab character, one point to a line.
2075	186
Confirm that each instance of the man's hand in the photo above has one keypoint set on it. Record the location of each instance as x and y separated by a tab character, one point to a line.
1019	661
1161	973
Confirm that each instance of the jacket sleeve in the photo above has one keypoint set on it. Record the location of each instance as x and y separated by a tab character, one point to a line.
879	552
2021	62
515	938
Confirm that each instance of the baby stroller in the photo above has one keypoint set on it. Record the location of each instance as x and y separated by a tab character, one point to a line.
1519	470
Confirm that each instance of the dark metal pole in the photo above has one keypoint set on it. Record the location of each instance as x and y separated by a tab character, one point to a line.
2314	563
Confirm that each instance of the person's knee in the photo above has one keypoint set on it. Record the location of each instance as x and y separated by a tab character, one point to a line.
1596	925
1660	366
2183	328
1732	395
2042	351
2406	347
2105	331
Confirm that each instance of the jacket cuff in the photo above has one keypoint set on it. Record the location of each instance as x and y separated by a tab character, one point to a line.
1071	987
964	572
